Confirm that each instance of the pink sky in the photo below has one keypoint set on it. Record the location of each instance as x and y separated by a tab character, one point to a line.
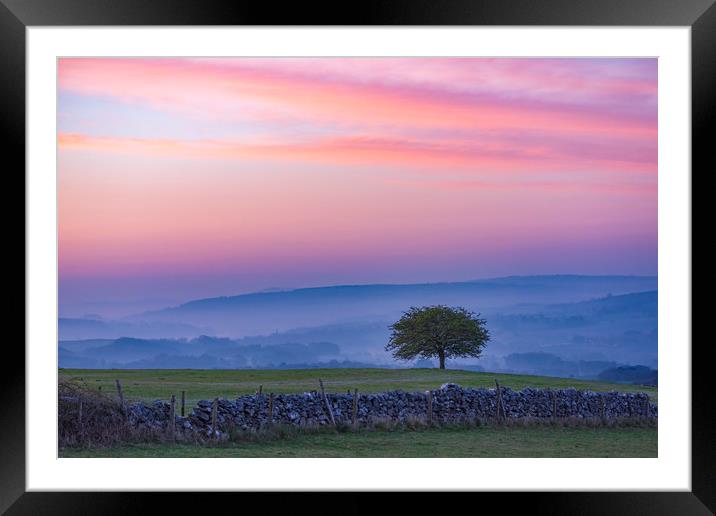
293	172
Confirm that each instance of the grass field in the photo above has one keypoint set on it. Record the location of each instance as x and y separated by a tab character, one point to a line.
151	384
484	441
476	442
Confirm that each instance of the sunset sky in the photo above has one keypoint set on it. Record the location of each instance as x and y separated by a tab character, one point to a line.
186	178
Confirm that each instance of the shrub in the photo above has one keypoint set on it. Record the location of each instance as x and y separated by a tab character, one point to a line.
101	422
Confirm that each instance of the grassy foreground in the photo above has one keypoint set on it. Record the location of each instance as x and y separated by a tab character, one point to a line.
151	384
484	441
476	442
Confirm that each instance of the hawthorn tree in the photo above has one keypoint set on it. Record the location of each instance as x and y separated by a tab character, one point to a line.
438	331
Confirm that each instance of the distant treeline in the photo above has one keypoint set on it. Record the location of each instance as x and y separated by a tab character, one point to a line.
201	353
631	374
548	364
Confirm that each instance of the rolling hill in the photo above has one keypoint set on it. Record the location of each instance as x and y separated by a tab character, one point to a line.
534	328
269	312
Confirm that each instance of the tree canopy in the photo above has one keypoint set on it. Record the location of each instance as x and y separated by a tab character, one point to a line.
438	331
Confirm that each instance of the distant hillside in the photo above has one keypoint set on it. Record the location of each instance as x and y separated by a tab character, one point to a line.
202	352
578	339
626	305
269	312
563	325
74	328
621	328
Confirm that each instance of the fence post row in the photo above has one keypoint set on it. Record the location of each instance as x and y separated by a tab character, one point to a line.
501	413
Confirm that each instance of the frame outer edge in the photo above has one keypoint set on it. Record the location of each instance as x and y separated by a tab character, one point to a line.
12	128
12	57
703	122
368	12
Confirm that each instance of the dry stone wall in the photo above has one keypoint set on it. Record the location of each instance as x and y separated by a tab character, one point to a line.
450	404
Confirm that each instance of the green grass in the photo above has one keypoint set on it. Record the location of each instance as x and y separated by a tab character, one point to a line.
151	384
486	441
544	441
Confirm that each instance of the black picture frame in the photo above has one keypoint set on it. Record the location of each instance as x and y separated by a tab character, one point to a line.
17	15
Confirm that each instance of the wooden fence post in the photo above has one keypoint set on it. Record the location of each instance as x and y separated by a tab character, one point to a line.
328	405
121	397
79	417
270	408
603	408
261	388
554	406
647	411
183	401
214	411
355	409
172	415
530	407
500	408
429	395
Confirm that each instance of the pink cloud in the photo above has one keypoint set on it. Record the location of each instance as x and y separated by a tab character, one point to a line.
365	150
360	161
263	90
647	189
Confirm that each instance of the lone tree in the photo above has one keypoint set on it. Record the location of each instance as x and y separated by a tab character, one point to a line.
438	331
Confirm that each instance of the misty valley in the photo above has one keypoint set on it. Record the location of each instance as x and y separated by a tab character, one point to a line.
590	327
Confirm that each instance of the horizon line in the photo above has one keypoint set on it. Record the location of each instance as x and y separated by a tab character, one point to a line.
279	290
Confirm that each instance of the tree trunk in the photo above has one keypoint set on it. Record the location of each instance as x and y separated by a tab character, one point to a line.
442	360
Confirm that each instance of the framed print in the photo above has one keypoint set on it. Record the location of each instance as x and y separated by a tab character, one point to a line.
418	248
